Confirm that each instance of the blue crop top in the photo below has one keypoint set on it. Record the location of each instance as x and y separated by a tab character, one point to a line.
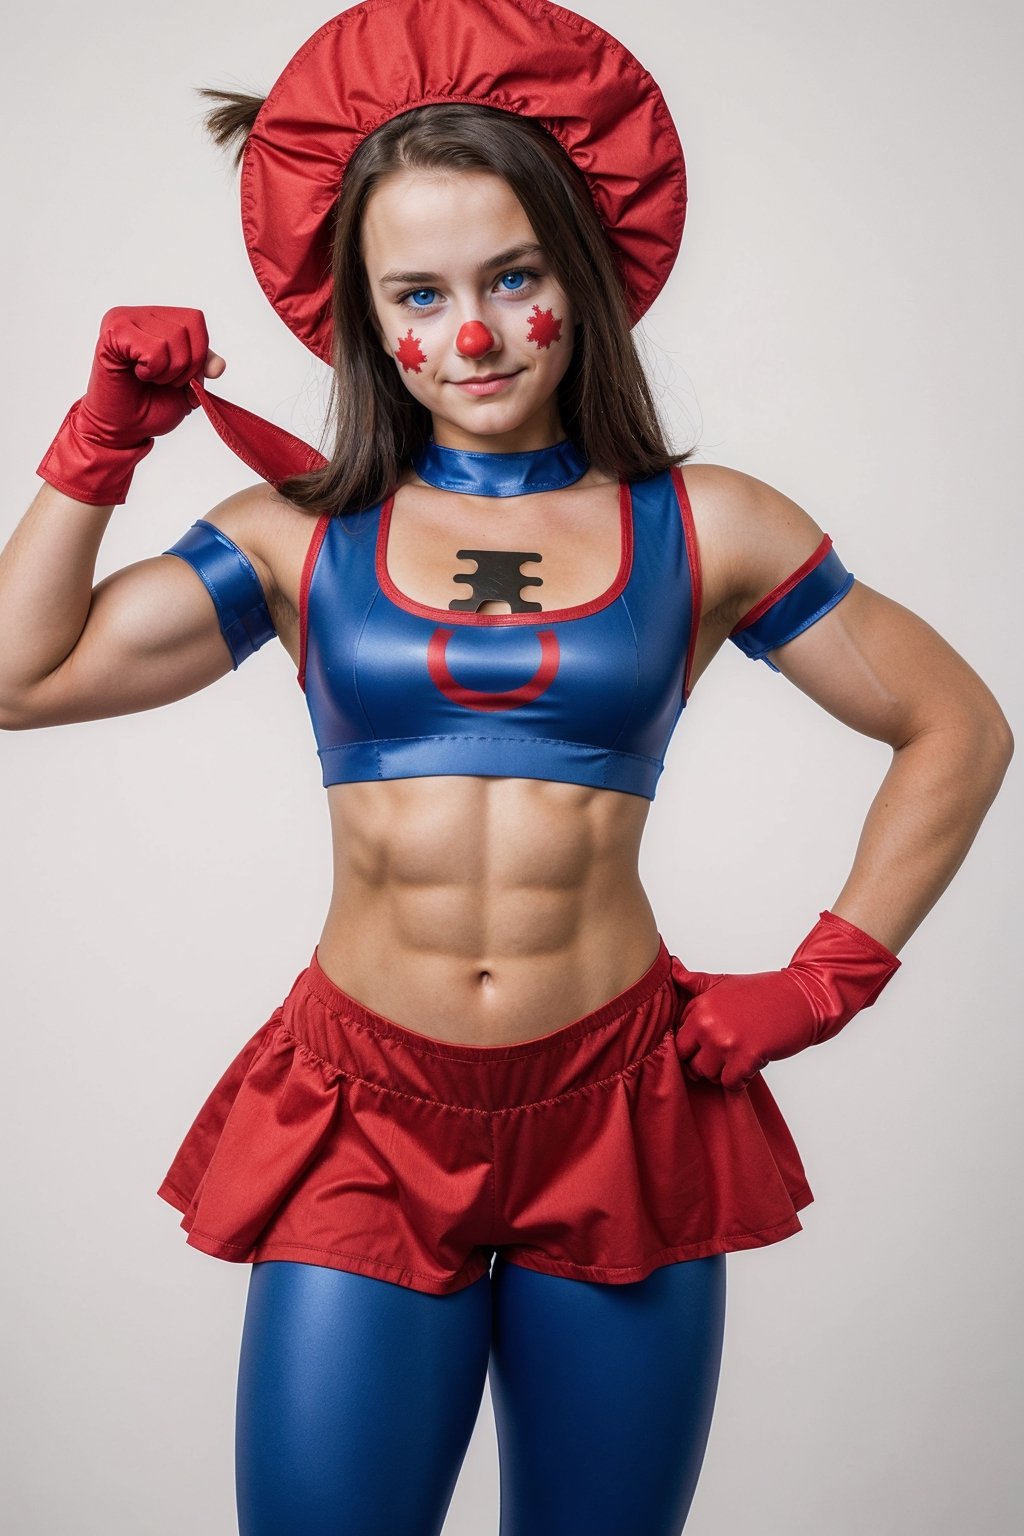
584	695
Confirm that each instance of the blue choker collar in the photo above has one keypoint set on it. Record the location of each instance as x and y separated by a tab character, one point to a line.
501	474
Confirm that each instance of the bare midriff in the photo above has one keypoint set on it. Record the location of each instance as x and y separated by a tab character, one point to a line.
485	910
488	910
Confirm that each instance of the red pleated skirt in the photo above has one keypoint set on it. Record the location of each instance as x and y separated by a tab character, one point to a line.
339	1137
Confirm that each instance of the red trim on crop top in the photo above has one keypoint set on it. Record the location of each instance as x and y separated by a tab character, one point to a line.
307	576
544	616
696	579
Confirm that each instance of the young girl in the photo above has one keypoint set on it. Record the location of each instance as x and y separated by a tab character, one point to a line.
494	1125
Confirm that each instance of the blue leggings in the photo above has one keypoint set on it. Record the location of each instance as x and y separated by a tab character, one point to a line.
357	1399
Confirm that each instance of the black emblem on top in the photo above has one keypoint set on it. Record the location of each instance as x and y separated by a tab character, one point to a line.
497	578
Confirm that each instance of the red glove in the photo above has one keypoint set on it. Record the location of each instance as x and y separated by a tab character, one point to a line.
733	1025
138	390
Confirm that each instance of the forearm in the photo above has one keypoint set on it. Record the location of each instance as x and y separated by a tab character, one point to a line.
47	569
921	823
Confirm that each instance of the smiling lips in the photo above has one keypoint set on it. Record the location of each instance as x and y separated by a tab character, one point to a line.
485	384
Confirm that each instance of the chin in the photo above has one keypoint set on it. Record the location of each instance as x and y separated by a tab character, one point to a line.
499	415
489	423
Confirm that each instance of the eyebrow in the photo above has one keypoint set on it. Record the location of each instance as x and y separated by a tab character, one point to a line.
514	253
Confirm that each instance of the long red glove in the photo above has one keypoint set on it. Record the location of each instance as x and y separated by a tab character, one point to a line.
734	1024
138	391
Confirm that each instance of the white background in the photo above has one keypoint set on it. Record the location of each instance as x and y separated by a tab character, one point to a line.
844	322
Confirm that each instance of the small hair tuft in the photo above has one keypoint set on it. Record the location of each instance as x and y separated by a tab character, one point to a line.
230	123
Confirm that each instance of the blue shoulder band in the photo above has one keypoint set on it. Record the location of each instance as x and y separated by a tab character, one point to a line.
233	584
794	605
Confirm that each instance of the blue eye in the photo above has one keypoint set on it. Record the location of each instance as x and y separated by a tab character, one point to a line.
520	275
414	295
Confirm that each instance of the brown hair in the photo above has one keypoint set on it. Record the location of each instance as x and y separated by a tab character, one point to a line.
605	399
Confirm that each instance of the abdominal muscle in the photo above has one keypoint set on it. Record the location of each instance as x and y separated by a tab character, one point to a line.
485	910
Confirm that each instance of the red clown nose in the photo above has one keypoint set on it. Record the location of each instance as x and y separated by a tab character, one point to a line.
474	339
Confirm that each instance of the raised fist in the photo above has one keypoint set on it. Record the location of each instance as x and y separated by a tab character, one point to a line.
138	391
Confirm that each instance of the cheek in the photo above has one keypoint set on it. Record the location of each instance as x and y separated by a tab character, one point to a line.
545	327
410	353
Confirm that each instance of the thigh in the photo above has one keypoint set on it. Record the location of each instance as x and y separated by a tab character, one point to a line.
603	1396
356	1401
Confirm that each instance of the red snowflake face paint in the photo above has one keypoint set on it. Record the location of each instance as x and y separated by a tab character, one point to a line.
545	327
474	339
409	352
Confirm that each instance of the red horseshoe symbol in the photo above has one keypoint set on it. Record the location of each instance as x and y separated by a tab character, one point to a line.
510	698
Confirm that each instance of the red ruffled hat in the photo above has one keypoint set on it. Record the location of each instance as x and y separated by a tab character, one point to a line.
384	57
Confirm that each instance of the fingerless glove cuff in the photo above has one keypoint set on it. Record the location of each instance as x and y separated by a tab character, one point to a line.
842	970
95	473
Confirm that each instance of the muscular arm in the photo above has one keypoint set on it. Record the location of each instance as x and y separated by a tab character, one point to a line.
145	635
885	672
